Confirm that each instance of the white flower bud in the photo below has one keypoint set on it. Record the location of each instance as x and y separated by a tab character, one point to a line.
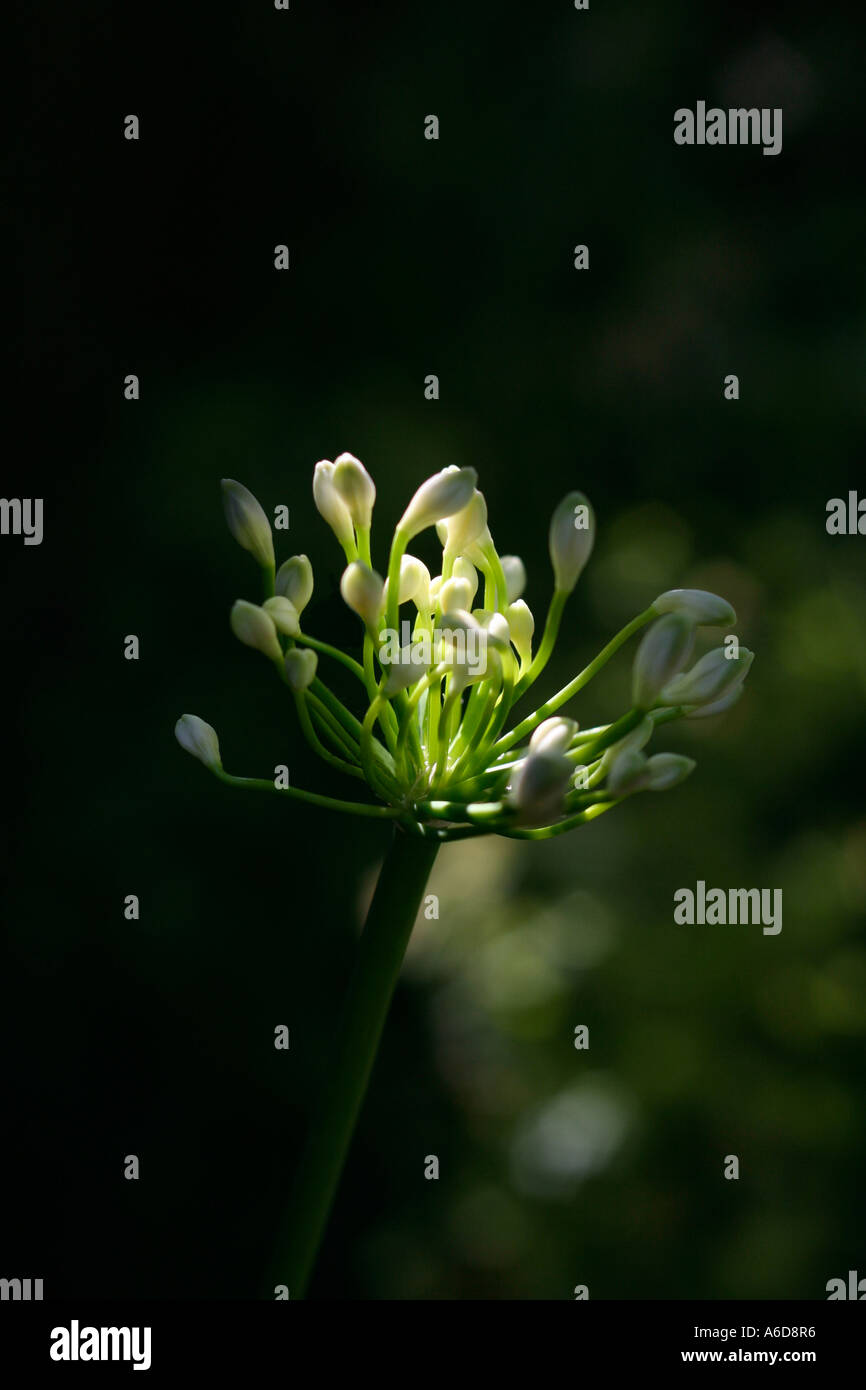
284	615
363	591
664	650
553	735
479	550
247	522
455	594
255	628
295	581
464	569
572	534
538	787
711	678
331	505
465	526
522	625
497	628
515	576
666	770
410	667
414	583
300	664
699	605
439	497
356	488
200	739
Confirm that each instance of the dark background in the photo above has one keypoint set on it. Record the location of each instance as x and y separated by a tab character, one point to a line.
411	257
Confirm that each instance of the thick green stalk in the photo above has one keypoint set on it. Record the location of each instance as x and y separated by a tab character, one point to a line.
389	924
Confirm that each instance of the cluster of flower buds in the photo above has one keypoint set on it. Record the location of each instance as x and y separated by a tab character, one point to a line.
431	739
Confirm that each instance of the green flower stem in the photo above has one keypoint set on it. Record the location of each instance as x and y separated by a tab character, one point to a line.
398	550
305	640
329	728
581	679
316	743
374	777
547	832
330	803
350	723
390	920
548	640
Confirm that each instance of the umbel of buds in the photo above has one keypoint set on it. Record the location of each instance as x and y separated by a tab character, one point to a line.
442	662
432	734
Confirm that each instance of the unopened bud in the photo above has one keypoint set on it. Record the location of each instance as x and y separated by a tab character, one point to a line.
465	526
454	594
331	505
664	650
515	576
199	739
300	664
364	591
553	735
284	615
711	678
464	569
628	773
538	787
522	625
356	488
666	770
701	606
718	706
572	534
295	581
247	522
437	498
255	628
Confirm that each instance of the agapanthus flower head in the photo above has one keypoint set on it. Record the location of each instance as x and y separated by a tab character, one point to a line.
433	734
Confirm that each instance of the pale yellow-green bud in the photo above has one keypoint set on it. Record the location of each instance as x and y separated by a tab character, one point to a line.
331	505
572	535
414	583
295	581
437	498
522	626
464	569
364	591
464	527
284	615
247	522
300	665
255	628
455	594
538	787
199	739
553	735
356	488
515	576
